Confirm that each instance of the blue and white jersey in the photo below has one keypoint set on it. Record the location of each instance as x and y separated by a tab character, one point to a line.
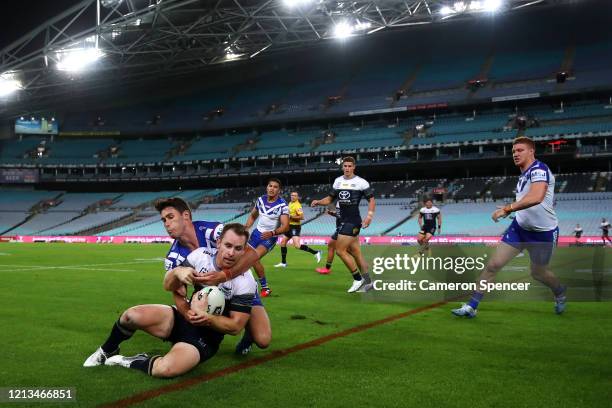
207	232
270	213
540	217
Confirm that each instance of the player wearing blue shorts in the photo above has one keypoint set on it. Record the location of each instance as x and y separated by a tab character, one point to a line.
534	228
273	213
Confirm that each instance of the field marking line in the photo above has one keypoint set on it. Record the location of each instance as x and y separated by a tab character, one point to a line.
275	355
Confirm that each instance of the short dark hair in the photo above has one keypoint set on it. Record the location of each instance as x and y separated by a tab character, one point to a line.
426	199
274	179
349	159
177	203
238	229
524	140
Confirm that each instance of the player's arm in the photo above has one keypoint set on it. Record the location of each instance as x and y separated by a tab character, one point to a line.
420	220
325	201
439	216
178	277
371	209
240	311
252	217
535	195
231	325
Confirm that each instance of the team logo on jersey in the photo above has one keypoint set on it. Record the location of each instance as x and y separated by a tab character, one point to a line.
344	195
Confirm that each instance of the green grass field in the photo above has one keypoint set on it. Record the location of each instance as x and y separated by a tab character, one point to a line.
58	302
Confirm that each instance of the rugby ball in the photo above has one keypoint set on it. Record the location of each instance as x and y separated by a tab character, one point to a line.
210	299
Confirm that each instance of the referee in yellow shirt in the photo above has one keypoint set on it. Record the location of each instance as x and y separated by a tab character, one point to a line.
296	215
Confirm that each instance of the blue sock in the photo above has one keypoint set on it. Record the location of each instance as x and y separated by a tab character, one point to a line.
475	299
559	291
264	283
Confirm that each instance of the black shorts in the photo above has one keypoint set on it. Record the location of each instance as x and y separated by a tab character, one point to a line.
294	231
204	339
348	228
605	233
578	235
428	230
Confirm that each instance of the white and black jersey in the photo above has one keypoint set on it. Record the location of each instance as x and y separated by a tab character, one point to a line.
349	193
605	228
429	216
239	291
577	232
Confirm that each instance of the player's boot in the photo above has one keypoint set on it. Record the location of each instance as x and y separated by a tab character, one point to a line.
244	345
323	271
280	265
123	361
357	284
560	302
318	256
265	292
465	310
366	288
98	357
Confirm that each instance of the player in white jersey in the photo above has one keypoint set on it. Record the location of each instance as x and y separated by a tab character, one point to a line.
194	340
534	228
428	216
273	213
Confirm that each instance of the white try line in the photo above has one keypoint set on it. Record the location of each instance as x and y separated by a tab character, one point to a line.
90	267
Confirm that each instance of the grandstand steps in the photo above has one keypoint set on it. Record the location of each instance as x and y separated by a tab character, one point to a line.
407	84
28	218
61	223
567	63
128	219
405	219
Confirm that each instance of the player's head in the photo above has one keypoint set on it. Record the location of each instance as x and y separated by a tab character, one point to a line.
295	197
175	214
603	220
523	151
348	166
273	187
231	245
577	225
428	202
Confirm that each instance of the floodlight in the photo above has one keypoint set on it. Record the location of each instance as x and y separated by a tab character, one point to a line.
77	59
9	84
446	10
492	5
343	30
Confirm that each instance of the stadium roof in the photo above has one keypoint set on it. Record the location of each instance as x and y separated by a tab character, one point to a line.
98	42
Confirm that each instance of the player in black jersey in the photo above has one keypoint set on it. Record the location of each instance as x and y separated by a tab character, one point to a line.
427	224
605	231
578	233
349	189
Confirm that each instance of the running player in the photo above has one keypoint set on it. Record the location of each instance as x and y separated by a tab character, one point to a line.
195	339
273	214
427	224
296	215
535	227
578	233
331	245
349	189
605	231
